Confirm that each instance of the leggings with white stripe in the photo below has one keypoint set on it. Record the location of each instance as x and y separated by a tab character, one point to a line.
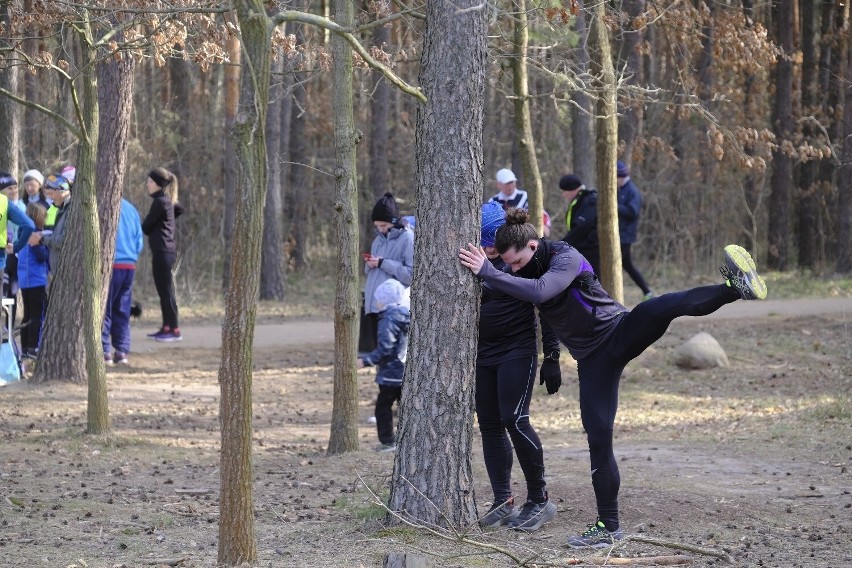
503	394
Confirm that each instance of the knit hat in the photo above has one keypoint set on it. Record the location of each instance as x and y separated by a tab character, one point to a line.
389	293
493	217
35	175
161	176
7	180
622	170
505	176
385	209
570	182
69	173
57	182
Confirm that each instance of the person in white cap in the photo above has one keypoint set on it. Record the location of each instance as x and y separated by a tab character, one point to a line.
509	195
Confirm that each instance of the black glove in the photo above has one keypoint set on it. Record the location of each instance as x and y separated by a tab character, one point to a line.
550	375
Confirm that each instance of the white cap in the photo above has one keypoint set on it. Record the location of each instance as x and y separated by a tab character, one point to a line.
34	174
505	176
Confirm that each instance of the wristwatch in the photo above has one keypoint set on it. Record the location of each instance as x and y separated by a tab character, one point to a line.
553	356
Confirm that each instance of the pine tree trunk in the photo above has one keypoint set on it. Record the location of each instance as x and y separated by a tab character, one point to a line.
344	415
298	170
229	160
844	177
782	125
379	181
606	145
237	543
523	121
632	114
432	478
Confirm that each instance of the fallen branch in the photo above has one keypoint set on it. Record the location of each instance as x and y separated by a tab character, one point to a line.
643	561
721	554
167	561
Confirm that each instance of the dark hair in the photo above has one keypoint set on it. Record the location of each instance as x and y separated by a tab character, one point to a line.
516	233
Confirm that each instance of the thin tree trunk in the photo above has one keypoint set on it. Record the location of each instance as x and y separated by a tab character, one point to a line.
523	121
807	205
237	542
344	415
432	478
582	122
298	170
379	180
606	145
630	125
844	176
782	125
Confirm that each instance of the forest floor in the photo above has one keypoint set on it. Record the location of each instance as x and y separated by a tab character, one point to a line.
751	461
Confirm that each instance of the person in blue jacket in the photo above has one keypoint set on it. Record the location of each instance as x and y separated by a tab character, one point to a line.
389	356
32	278
128	244
600	333
629	206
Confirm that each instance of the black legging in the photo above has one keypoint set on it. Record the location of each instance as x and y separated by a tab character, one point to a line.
384	412
627	265
503	394
600	374
161	267
10	283
35	302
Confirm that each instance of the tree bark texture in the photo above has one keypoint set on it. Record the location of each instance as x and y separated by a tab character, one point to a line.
523	120
807	193
379	179
782	125
298	170
344	415
606	146
237	543
582	121
432	479
9	111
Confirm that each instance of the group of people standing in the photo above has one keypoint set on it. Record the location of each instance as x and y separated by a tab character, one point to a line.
33	228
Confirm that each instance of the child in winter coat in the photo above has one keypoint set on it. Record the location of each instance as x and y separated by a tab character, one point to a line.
32	279
389	356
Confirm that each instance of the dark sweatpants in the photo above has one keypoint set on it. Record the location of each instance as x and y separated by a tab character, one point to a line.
162	264
384	412
600	374
503	393
630	268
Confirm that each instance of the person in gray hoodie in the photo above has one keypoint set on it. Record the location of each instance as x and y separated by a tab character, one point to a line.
391	256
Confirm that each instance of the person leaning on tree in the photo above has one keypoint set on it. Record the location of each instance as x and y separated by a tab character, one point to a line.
506	361
600	333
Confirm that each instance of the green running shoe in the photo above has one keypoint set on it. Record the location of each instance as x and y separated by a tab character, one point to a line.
741	273
596	536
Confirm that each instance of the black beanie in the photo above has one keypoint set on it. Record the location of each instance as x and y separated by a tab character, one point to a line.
161	176
7	180
386	209
570	182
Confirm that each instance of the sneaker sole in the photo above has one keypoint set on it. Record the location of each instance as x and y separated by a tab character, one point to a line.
736	257
168	339
546	515
502	522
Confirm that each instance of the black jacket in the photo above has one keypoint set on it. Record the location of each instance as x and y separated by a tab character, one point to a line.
159	224
583	232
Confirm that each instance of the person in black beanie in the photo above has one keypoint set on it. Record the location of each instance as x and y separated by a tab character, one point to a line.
159	225
391	256
581	220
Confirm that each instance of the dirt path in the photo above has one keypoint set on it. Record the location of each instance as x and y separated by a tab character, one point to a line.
301	332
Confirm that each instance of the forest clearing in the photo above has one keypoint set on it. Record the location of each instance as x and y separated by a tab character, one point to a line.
750	461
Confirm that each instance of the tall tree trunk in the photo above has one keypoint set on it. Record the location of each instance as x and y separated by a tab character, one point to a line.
97	416
432	478
582	123
807	205
844	177
9	111
523	121
298	170
229	161
630	125
237	543
379	180
344	415
272	267
782	125
606	145
751	105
